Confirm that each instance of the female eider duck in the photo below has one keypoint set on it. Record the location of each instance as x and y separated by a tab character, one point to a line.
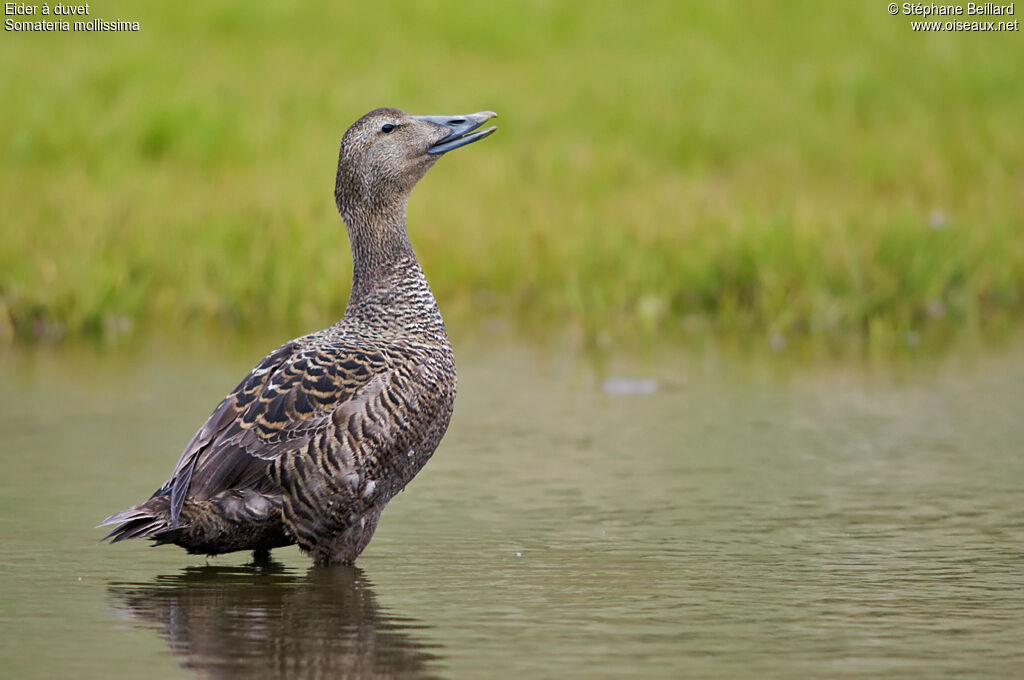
315	441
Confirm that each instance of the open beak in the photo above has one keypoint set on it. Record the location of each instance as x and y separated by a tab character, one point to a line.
461	127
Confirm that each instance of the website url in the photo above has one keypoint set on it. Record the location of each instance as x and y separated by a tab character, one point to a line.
956	26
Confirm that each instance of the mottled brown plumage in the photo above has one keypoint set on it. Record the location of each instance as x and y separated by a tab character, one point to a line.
315	441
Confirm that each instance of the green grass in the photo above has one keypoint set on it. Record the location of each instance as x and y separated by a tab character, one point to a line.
780	169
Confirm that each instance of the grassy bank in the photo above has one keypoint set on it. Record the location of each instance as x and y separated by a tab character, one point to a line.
779	169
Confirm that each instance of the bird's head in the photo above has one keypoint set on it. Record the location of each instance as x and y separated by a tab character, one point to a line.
387	151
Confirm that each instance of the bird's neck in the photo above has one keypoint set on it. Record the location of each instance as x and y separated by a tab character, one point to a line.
388	284
379	243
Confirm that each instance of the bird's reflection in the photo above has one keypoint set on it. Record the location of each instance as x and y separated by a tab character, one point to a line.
228	622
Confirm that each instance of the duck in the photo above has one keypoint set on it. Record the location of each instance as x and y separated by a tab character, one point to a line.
315	441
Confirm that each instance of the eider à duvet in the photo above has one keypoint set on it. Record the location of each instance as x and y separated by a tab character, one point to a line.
327	428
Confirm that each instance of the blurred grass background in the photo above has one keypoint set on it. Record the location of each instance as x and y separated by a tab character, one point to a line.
781	170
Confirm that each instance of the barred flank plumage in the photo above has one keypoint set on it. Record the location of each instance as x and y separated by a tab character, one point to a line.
313	443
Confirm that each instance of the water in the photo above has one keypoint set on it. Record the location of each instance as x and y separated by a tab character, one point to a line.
683	514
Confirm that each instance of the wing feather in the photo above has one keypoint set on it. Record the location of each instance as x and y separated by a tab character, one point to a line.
277	408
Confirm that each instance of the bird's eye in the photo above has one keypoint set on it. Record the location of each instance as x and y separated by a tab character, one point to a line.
387	127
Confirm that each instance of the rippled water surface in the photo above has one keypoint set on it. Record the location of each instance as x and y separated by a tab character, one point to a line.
676	515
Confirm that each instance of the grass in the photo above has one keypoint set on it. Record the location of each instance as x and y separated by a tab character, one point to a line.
780	170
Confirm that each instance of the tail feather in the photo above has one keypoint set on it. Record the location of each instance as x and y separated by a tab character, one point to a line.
150	519
232	520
